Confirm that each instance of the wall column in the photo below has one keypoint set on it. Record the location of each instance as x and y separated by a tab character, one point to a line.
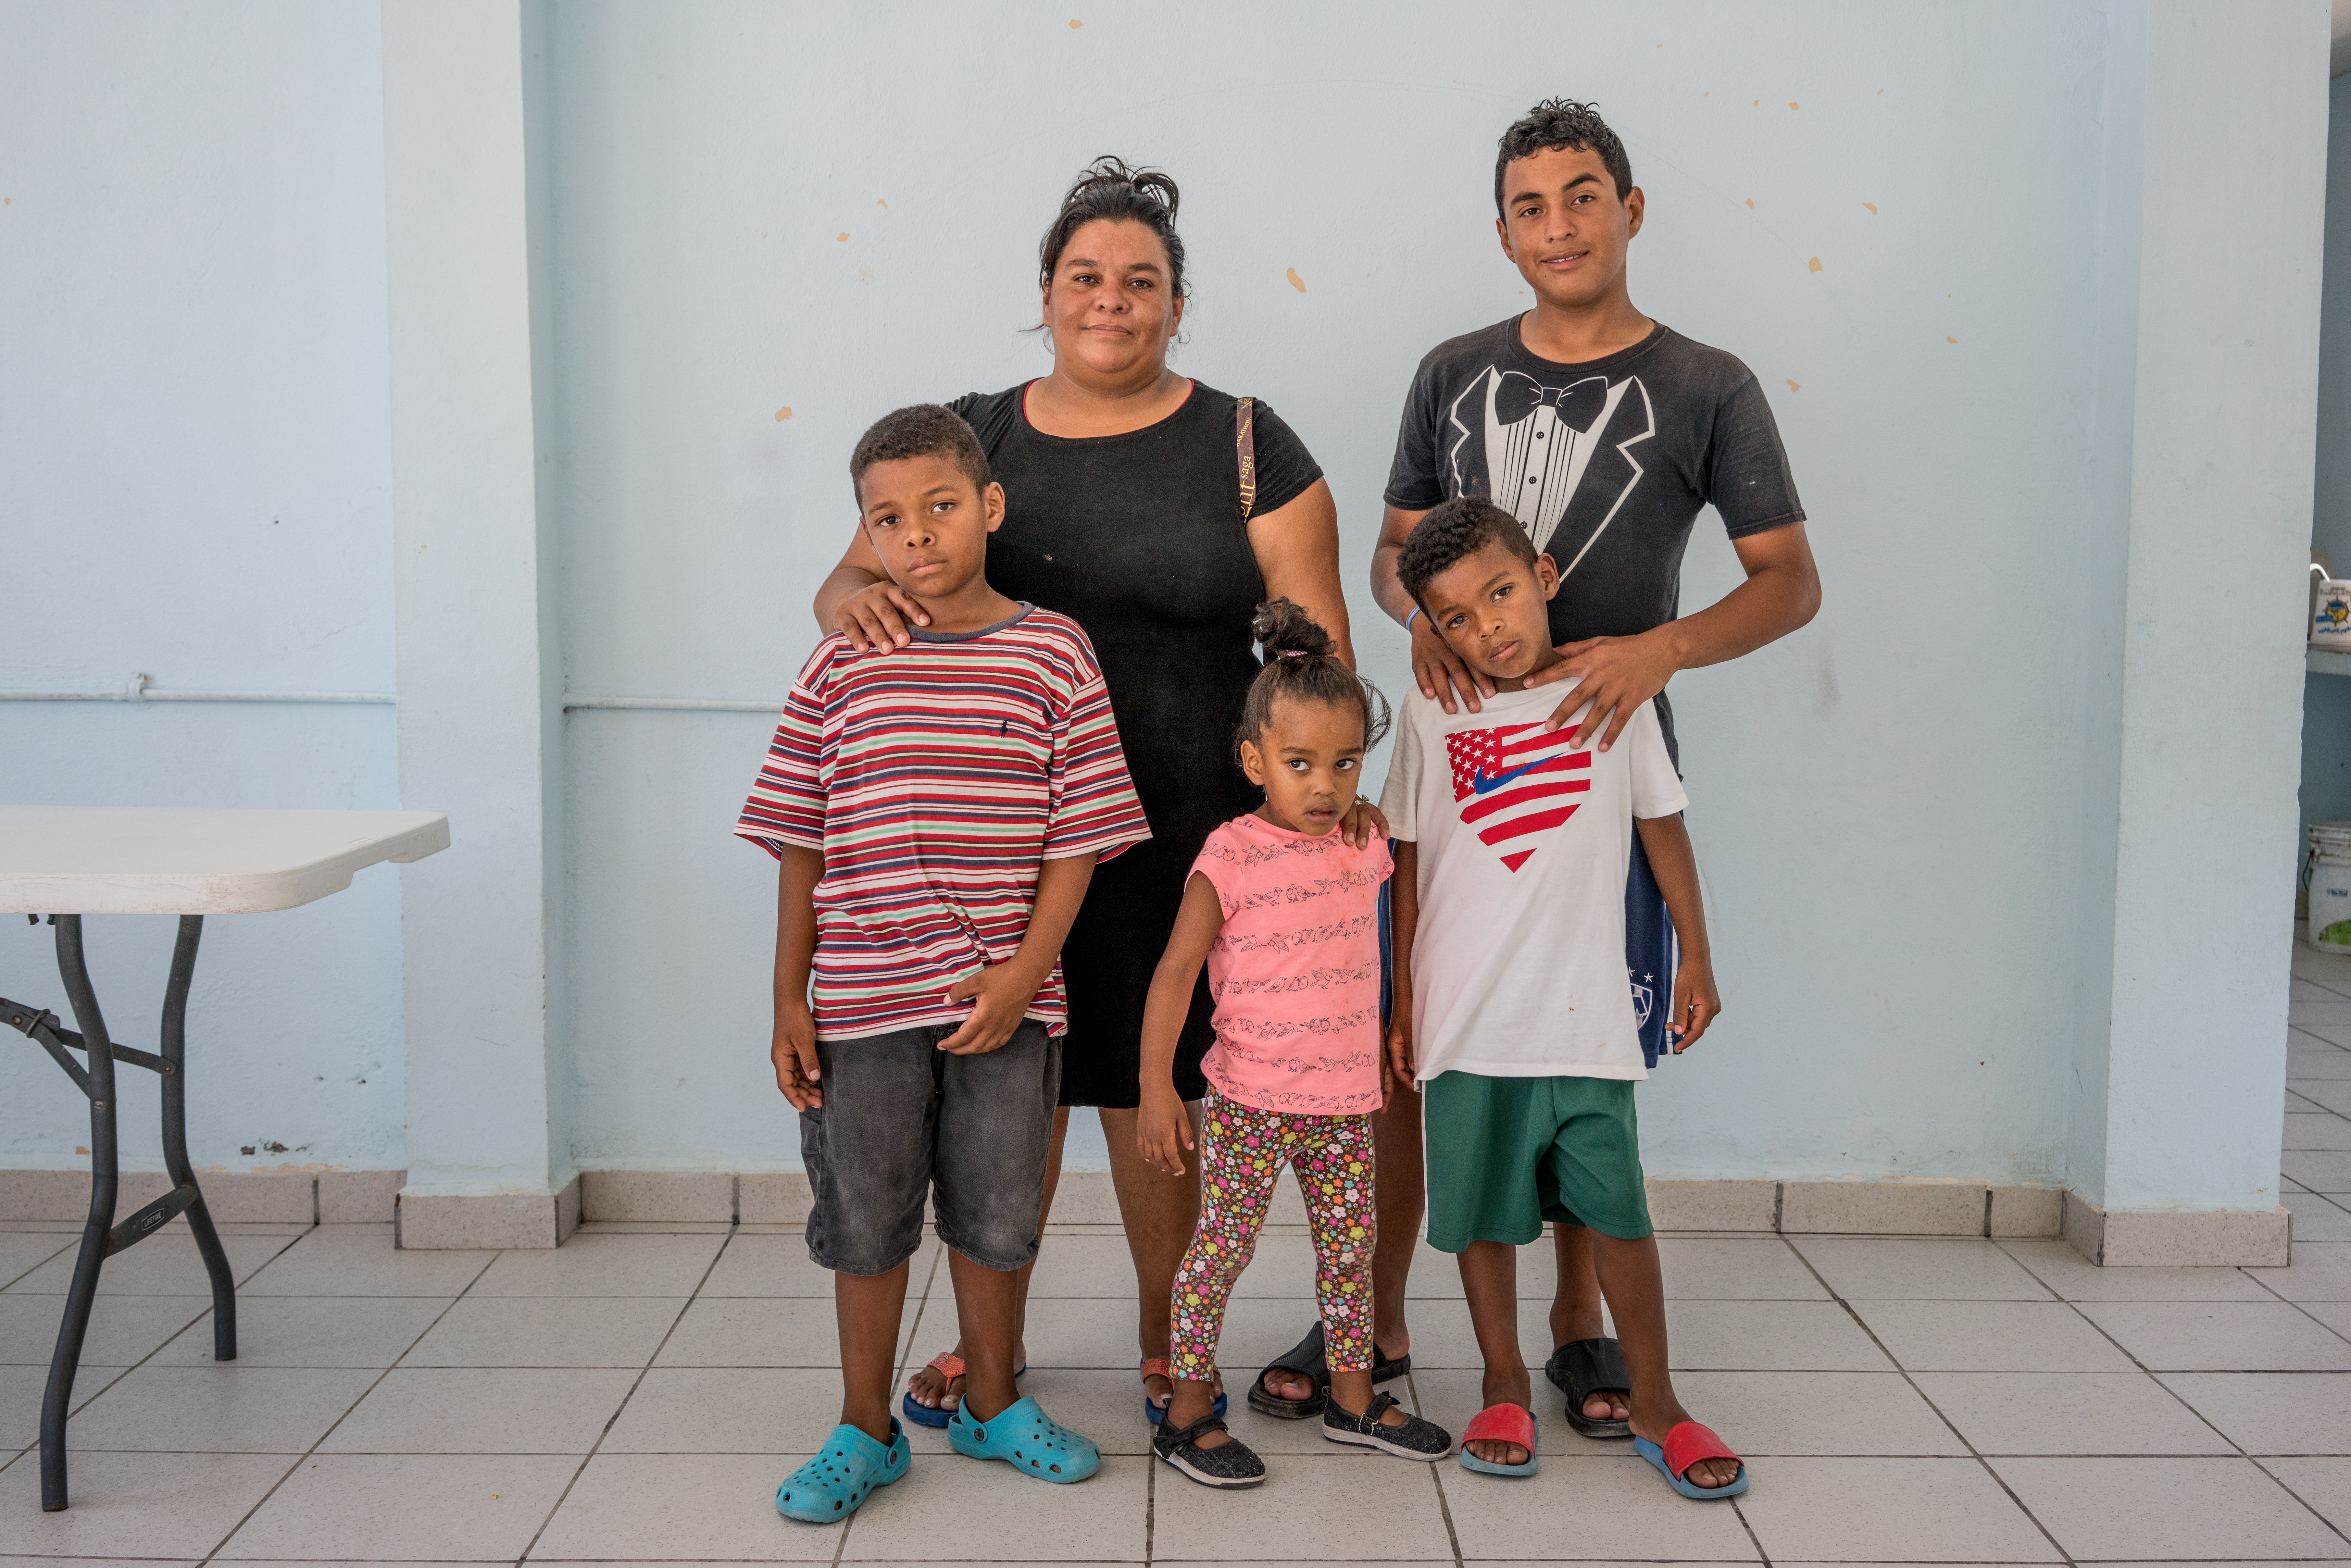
2176	1152
479	690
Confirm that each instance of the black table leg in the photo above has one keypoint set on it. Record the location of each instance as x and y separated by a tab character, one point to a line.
175	1136
104	1179
102	1238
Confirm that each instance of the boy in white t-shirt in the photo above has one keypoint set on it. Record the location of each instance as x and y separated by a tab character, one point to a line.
1511	1009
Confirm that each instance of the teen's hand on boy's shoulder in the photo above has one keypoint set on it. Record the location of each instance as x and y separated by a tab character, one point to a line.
876	618
1441	673
793	1050
1002	993
1614	675
1696	1003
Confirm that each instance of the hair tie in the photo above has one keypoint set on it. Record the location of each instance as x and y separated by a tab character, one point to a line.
1293	654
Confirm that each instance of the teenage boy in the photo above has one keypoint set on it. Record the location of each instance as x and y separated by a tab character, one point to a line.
1603	434
937	814
1513	842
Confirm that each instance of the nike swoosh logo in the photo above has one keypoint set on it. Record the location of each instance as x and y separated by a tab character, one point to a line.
1481	783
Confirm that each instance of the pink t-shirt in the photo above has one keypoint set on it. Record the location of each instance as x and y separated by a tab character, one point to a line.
1296	970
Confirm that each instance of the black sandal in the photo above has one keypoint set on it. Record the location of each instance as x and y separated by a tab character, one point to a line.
1305	1358
1230	1467
1584	1367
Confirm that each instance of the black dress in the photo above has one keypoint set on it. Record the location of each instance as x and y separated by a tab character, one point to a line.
1139	538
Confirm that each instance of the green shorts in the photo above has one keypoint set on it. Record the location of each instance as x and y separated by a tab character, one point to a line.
1507	1154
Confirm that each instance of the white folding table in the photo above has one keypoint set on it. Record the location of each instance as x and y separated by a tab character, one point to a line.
66	861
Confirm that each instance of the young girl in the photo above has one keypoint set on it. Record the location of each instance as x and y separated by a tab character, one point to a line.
1286	914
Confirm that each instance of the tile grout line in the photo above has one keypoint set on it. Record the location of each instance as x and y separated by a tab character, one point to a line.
304	1457
1151	1505
1444	1504
94	1395
2157	1379
1997	1480
2275	1478
1747	1525
565	1495
898	1373
2127	1353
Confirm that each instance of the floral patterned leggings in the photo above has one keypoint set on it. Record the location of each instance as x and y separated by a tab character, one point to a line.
1242	1151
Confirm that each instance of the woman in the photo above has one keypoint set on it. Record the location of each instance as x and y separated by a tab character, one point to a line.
1125	511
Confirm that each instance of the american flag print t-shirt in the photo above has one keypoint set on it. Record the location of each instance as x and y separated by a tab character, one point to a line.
1296	969
1523	840
937	780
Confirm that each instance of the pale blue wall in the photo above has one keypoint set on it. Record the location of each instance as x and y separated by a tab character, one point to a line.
192	436
1899	810
1886	804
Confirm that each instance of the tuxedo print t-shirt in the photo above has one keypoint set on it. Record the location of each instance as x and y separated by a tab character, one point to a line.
1606	464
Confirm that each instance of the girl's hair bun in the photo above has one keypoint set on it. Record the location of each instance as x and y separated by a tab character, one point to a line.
1284	627
1302	665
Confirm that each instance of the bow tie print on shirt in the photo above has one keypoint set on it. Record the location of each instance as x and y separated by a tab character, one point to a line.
1541	441
1578	406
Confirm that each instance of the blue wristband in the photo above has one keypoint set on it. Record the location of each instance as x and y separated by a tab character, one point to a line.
1408	615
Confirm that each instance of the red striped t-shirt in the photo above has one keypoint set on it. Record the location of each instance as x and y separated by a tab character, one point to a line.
937	778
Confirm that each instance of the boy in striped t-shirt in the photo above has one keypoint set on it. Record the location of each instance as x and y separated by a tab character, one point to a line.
939	810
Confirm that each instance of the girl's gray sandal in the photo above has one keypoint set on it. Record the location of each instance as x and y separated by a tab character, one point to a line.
1413	1439
1231	1466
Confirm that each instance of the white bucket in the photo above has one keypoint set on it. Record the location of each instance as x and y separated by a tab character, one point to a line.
2330	886
2330	614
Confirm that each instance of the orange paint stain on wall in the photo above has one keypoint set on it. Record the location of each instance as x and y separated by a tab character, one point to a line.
783	413
1751	203
1297	282
1793	387
1949	339
841	235
1813	264
1872	207
1074	23
1795	105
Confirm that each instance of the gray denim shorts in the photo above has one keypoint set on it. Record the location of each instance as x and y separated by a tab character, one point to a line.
903	1121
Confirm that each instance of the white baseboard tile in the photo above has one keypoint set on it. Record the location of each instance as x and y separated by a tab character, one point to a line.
2159	1238
275	1197
281	1197
360	1197
1087	1197
1881	1208
2018	1212
1714	1205
655	1196
772	1197
440	1222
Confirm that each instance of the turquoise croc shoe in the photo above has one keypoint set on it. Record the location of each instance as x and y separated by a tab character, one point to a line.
843	1474
1027	1439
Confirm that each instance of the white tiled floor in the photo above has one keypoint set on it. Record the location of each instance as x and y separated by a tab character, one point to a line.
636	1395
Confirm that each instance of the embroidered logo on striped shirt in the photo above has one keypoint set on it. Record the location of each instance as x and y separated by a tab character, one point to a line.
1509	783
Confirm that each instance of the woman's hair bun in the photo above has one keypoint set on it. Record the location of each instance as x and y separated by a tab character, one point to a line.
1111	170
1282	626
1112	189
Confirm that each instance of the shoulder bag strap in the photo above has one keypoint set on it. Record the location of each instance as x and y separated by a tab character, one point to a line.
1245	438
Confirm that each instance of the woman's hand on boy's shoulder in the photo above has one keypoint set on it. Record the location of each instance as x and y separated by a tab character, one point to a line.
793	1050
1696	1003
1362	821
874	618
